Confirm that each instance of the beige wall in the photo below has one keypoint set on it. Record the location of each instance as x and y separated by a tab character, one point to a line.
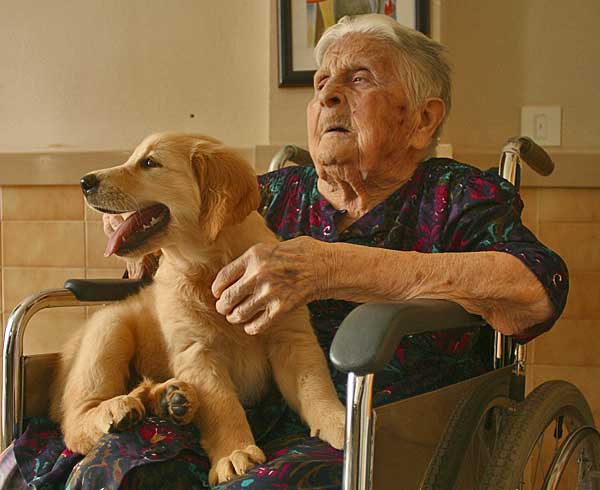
513	53
103	74
48	237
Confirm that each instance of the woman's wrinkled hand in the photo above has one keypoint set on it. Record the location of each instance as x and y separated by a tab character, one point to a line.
272	279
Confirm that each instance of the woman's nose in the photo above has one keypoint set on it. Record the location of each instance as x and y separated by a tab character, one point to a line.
330	95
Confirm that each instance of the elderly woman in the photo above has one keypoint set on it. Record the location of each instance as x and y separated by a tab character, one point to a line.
367	223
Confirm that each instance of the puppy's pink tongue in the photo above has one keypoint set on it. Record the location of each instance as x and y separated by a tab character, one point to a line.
138	221
119	235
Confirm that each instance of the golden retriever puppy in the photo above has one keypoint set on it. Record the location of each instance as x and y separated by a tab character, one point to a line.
195	200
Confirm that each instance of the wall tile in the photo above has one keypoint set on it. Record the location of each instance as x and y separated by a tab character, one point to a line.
569	343
42	203
50	329
583	302
22	282
43	244
573	205
96	243
587	379
577	243
105	273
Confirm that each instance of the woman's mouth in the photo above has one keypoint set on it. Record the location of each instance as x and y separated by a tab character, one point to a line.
336	129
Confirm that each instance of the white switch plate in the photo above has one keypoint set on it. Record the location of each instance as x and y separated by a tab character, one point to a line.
542	123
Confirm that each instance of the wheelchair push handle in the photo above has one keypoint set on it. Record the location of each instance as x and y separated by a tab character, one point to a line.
291	153
530	153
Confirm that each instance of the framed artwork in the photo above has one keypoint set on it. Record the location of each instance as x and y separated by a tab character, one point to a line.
302	22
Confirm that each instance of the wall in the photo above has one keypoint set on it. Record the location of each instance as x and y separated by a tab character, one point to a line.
99	75
48	237
513	53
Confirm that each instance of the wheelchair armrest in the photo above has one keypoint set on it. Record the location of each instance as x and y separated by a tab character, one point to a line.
370	334
104	289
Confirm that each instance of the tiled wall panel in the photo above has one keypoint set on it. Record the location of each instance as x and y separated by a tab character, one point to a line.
49	235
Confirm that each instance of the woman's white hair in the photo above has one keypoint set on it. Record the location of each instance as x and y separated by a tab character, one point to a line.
422	61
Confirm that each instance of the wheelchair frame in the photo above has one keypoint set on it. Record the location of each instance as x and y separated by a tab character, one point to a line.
393	323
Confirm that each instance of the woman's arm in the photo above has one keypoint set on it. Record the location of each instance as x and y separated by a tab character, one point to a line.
494	285
271	279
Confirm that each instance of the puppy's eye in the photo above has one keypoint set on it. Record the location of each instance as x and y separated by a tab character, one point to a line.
149	163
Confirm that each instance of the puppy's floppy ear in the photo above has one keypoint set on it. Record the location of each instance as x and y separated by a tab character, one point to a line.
228	186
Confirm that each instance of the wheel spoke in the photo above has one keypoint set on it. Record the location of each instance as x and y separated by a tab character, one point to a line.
539	457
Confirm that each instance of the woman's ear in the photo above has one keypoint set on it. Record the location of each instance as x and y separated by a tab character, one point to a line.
429	117
228	187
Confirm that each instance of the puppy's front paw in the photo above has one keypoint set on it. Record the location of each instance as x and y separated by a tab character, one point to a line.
176	400
331	427
124	412
237	463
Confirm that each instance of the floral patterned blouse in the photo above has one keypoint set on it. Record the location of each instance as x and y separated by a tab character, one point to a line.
445	206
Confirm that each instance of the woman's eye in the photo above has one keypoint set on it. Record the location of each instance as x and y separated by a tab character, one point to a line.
149	163
358	79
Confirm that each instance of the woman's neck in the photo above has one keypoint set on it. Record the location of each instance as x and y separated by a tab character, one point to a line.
356	195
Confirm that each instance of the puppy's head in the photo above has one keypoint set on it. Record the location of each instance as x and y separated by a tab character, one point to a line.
176	187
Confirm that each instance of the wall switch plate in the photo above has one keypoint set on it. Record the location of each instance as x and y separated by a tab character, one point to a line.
542	123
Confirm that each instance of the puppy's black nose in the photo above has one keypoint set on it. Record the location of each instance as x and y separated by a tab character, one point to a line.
89	183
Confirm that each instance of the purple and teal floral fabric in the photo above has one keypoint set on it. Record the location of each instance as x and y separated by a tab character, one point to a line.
445	207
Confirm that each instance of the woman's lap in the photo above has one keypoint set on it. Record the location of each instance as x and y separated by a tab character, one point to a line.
306	464
158	455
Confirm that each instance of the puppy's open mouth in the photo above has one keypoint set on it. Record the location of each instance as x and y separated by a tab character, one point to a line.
136	229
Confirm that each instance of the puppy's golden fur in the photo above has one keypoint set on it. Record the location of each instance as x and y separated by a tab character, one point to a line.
202	368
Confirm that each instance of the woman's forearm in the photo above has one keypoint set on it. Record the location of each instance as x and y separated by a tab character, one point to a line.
494	285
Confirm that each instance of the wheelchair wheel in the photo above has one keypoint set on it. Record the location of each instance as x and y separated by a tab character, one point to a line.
542	431
472	432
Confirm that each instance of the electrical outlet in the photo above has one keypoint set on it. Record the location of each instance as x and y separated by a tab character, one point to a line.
542	124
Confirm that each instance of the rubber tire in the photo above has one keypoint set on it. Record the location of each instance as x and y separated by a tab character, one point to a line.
531	418
445	465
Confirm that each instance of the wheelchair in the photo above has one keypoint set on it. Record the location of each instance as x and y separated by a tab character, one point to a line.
481	434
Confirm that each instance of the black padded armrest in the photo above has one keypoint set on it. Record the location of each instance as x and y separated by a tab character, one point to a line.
369	335
103	289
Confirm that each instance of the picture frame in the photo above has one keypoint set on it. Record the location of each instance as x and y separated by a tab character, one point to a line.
296	64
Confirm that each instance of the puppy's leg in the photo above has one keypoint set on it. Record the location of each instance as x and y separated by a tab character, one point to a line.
174	399
301	373
224	429
94	401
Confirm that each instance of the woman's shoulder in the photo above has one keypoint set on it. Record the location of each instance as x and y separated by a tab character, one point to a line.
289	183
463	178
278	179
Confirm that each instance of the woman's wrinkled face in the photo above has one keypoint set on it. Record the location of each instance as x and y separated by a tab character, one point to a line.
360	115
